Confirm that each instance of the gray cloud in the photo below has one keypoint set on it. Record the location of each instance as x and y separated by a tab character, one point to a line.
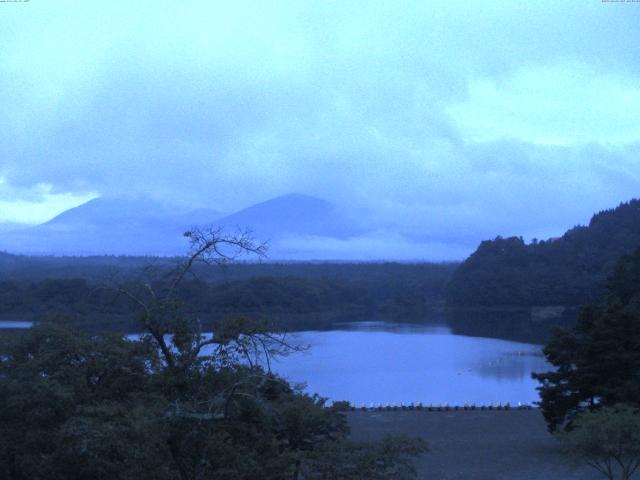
228	104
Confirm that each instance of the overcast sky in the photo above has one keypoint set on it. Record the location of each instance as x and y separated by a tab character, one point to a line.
444	122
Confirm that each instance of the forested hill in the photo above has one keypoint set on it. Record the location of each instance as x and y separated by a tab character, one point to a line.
570	270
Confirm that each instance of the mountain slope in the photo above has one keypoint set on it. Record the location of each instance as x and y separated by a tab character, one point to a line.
570	270
144	227
103	211
293	214
110	226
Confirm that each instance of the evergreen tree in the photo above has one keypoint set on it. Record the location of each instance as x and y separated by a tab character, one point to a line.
598	361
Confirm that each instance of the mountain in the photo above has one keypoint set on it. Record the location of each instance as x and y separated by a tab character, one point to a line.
570	270
10	226
145	227
110	226
110	211
291	215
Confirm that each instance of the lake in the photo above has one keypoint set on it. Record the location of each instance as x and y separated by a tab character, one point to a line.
379	363
390	363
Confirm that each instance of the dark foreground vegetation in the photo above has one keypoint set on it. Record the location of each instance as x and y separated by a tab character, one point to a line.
74	406
177	404
591	400
597	361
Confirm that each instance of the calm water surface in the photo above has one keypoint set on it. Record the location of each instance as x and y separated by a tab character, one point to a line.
379	363
6	324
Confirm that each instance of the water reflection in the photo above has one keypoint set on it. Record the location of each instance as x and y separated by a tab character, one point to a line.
523	324
511	365
374	362
391	327
11	324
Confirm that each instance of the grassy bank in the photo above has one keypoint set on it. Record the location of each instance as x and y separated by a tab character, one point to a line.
476	444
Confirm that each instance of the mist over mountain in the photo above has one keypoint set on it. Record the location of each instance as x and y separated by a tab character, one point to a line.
113	212
10	226
110	226
146	227
293	214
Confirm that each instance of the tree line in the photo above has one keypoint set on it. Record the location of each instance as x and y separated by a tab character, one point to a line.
315	299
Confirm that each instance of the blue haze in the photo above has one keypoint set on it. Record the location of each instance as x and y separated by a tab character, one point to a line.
437	124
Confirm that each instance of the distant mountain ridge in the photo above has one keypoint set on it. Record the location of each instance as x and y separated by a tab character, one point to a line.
570	270
118	210
110	226
119	226
292	214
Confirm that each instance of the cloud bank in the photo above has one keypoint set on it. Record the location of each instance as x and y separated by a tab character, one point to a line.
437	123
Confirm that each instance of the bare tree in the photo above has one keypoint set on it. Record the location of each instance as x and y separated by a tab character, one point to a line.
179	336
